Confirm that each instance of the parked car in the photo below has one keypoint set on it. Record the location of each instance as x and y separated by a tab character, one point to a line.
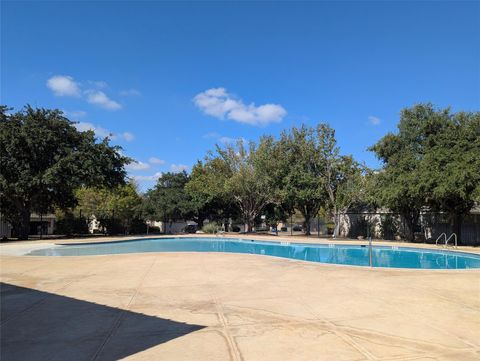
297	228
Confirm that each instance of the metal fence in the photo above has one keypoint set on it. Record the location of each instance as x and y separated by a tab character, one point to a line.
392	226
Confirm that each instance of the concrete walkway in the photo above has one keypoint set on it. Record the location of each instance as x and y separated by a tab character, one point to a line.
192	306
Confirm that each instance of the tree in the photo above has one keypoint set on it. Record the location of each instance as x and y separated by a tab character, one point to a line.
450	168
112	208
206	189
343	177
301	172
168	201
44	158
432	161
250	182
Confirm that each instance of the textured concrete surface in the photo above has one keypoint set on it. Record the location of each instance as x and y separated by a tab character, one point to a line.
192	306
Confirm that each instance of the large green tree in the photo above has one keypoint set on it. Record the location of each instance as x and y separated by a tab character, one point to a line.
209	198
44	158
168	201
432	162
301	176
250	182
345	179
114	208
450	167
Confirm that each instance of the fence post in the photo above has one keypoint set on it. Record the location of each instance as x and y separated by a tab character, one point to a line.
318	226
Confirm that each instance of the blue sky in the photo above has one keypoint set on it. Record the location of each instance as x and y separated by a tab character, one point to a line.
170	80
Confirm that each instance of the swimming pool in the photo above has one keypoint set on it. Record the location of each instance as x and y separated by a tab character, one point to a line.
354	255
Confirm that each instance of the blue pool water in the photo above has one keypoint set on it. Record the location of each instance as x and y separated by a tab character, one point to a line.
354	255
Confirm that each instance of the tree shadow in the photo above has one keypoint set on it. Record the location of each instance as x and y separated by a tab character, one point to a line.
37	325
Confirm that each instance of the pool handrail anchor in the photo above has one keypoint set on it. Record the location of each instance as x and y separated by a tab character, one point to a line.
439	237
454	235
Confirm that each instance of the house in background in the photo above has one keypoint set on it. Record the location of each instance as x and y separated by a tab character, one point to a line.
39	224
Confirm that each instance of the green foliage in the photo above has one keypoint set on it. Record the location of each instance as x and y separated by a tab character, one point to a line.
432	161
301	171
250	180
116	209
44	158
68	224
207	193
211	228
168	200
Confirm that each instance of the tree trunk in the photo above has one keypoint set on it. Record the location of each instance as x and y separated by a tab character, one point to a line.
247	226
335	222
200	222
307	224
24	229
411	220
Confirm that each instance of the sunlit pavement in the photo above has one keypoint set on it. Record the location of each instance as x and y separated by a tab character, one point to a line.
192	306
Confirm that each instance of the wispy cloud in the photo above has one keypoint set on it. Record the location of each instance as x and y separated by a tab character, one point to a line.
98	130
75	113
147	178
130	92
374	120
137	166
128	136
64	85
222	139
101	132
99	98
177	168
100	84
220	104
156	161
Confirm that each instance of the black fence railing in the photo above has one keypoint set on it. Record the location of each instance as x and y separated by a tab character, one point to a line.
392	226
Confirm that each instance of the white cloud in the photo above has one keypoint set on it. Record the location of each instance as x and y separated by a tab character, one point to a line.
100	84
154	160
137	166
146	178
75	113
63	85
99	98
374	120
130	92
218	103
128	136
229	140
101	132
222	139
177	168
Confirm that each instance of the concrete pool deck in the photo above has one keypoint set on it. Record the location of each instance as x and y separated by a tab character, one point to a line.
210	306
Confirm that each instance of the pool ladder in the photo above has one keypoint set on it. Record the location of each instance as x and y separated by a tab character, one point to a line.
444	235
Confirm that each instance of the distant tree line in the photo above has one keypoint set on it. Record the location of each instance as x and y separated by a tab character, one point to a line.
432	162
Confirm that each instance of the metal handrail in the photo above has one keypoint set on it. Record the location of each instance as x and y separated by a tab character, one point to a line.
440	236
454	235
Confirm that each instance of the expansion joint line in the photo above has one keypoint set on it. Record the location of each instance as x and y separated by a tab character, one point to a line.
235	352
122	312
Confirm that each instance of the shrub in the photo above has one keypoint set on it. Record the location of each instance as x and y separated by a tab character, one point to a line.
68	224
211	228
153	229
